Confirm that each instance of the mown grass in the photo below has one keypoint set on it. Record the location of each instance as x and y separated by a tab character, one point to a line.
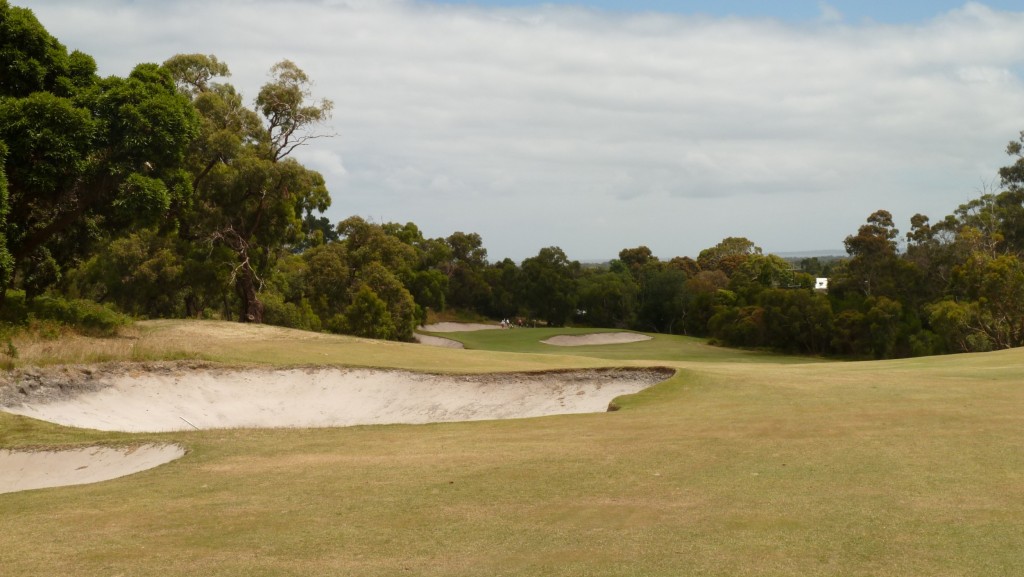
658	348
730	468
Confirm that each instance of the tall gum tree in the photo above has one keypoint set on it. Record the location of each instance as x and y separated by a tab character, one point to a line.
250	195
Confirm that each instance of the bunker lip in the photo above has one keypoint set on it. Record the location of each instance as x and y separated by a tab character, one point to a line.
160	397
26	470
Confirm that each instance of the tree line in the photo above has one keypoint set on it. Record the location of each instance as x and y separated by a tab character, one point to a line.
165	195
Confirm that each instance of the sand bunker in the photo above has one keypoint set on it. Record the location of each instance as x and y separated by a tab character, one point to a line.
182	397
595	339
437	341
458	327
175	396
24	470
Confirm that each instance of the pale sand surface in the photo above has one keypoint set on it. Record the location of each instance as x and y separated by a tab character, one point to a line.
457	327
24	470
170	396
437	341
595	339
183	397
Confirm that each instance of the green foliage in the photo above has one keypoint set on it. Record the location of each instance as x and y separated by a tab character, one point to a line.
87	156
727	255
83	315
663	299
608	299
6	261
33	60
287	314
164	194
368	316
15	309
250	197
398	302
549	286
49	313
143	273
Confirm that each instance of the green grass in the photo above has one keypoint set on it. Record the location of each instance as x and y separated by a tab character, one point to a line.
742	464
659	348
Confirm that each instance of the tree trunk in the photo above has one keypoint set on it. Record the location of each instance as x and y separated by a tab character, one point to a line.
245	286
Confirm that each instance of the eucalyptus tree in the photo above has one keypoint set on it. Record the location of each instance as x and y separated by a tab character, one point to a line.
550	285
727	255
465	265
251	196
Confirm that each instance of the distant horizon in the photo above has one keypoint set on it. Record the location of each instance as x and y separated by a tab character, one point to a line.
797	254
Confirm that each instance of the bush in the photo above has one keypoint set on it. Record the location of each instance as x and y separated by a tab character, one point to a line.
284	314
14	310
86	316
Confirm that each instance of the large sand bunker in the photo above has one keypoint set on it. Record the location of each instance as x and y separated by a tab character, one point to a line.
174	396
24	470
170	397
596	339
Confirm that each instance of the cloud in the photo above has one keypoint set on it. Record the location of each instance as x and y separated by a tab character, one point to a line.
829	14
605	130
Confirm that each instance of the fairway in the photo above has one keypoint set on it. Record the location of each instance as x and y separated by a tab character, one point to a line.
741	464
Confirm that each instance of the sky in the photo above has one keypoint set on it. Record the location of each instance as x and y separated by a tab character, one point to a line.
601	125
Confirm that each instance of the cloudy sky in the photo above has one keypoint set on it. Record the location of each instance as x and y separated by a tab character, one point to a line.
600	125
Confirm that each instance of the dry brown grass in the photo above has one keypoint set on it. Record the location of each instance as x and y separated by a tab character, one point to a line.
879	469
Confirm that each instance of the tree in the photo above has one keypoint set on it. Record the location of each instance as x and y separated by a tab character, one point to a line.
608	298
874	267
662	306
368	316
6	262
635	259
759	272
34	61
701	291
464	267
86	156
797	320
727	255
994	288
505	281
550	289
251	197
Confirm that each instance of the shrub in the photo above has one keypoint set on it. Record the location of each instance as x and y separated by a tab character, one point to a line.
86	316
284	314
14	310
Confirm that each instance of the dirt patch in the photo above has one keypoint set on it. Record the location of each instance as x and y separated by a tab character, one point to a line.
595	339
25	470
159	397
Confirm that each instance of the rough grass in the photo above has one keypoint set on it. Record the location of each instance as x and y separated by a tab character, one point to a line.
731	468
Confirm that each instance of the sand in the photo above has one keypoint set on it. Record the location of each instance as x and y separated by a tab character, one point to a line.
161	397
595	339
24	470
458	327
182	397
437	341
